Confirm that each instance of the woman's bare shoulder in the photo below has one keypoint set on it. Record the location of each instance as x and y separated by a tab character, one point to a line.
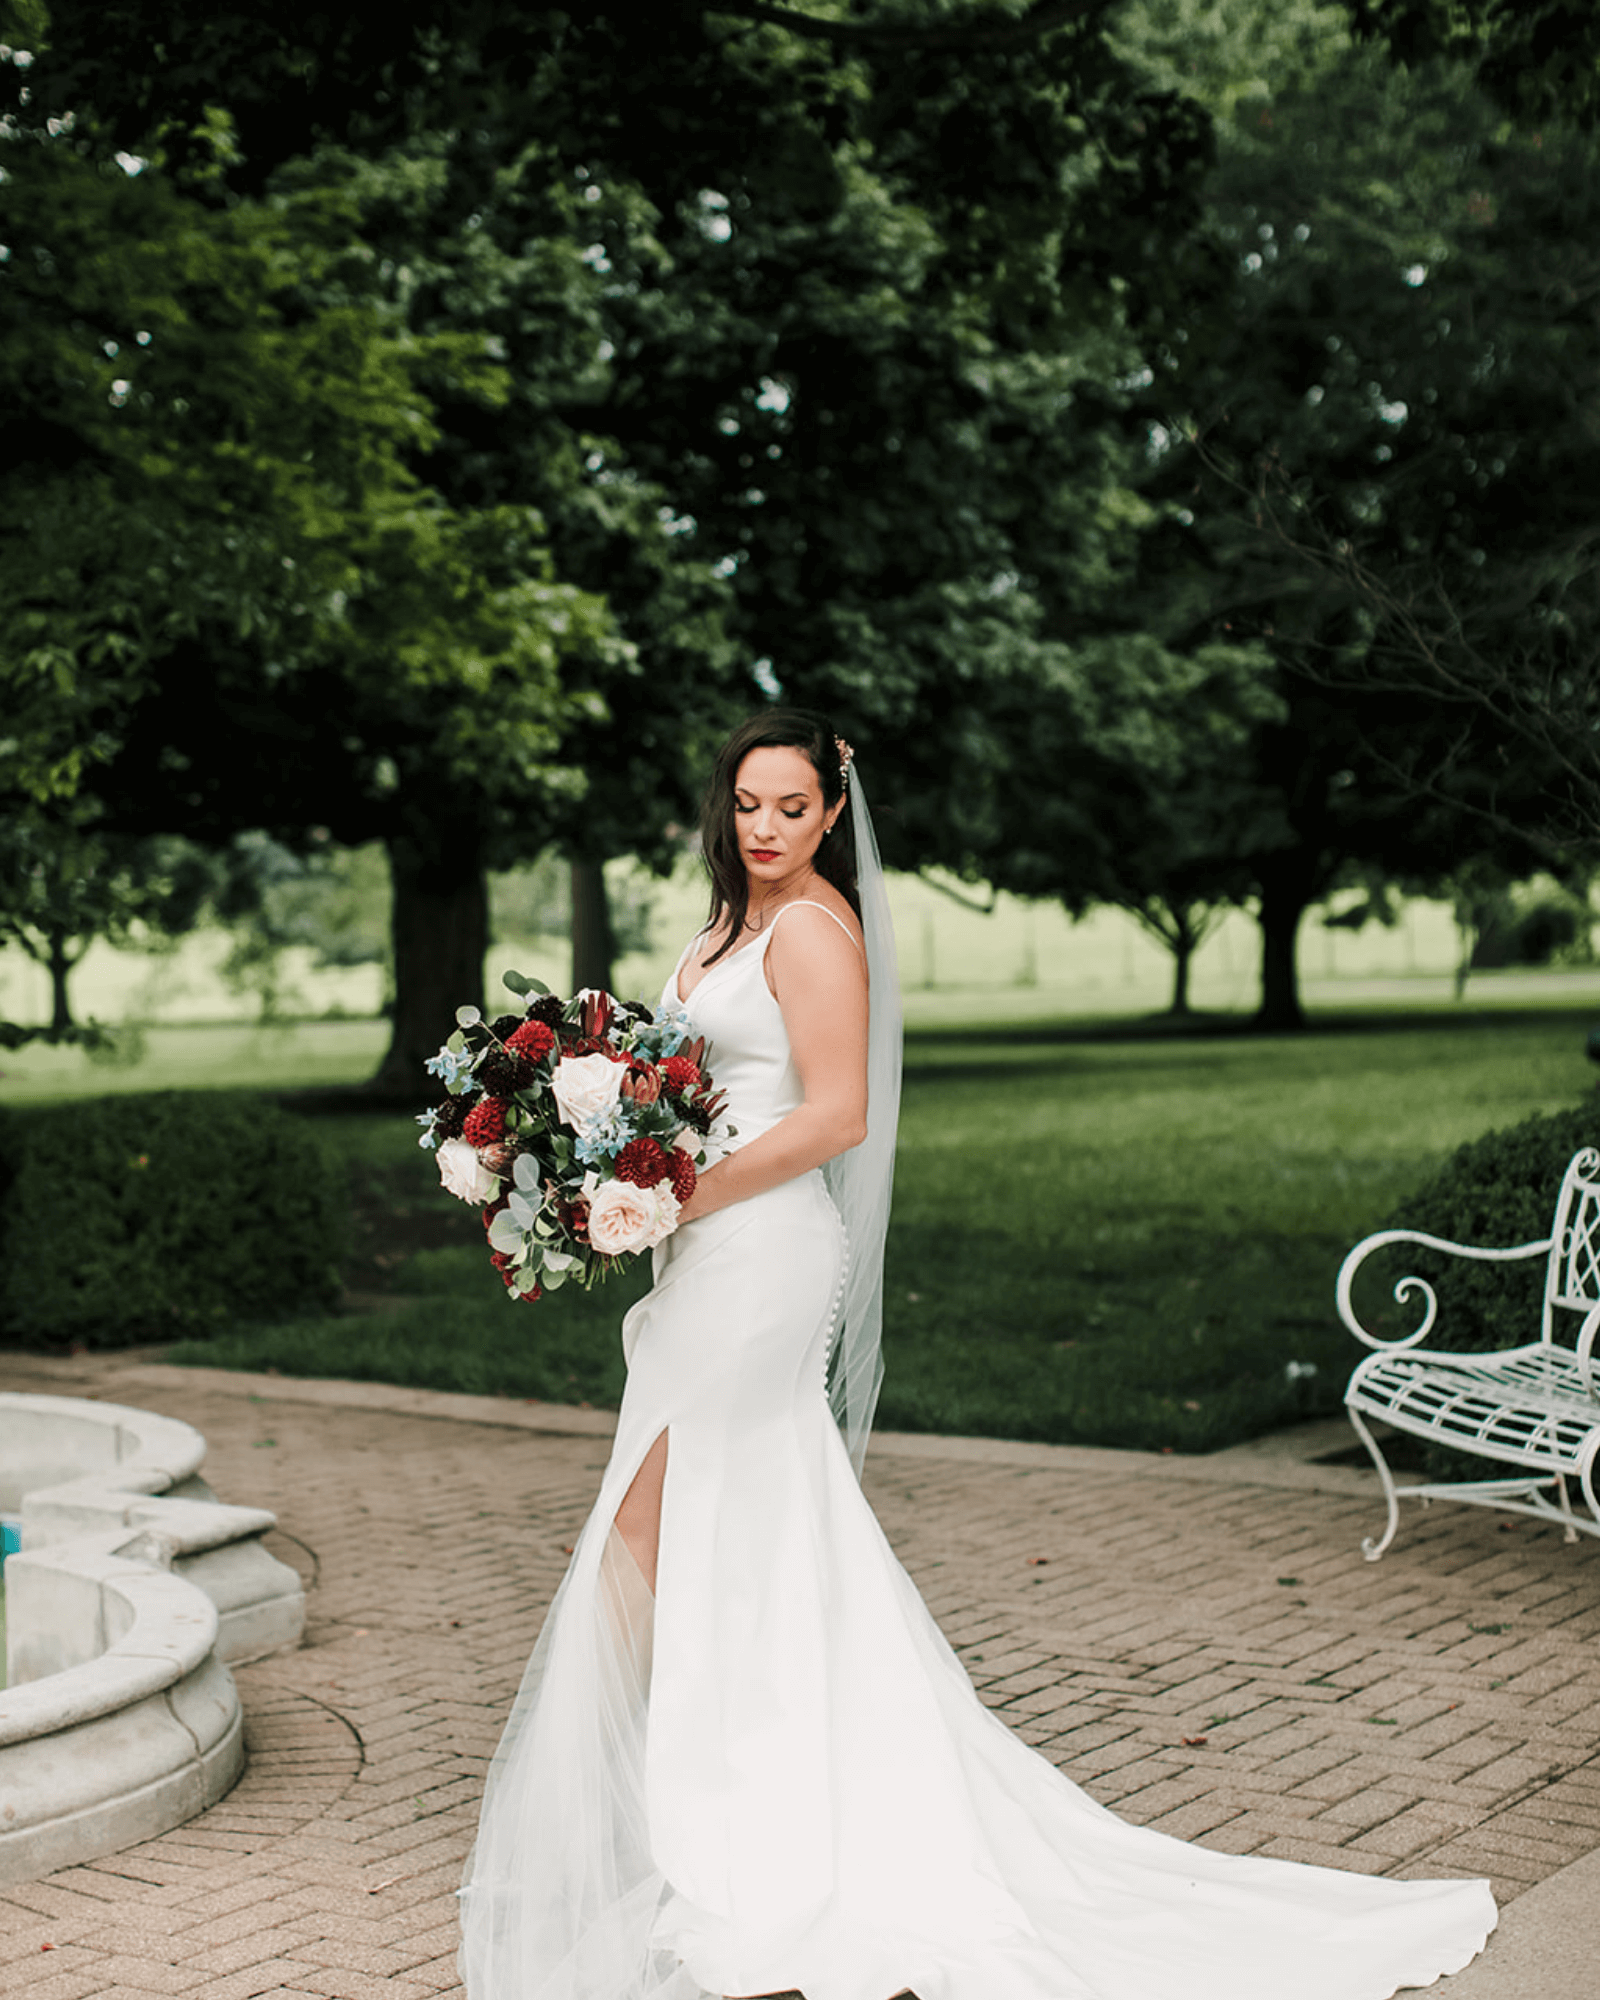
823	912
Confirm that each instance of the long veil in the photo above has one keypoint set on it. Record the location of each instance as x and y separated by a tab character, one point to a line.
861	1181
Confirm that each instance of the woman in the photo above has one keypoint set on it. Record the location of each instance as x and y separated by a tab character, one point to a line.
743	1760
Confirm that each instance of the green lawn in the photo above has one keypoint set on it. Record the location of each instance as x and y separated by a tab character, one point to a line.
1099	1235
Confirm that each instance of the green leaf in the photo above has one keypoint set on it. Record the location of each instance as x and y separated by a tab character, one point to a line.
520	984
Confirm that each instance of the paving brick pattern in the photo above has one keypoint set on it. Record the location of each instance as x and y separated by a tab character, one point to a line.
1213	1659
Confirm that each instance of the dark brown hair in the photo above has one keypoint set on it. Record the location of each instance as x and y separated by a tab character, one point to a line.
835	860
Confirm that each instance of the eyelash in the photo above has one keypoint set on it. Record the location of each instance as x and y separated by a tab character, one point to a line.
784	809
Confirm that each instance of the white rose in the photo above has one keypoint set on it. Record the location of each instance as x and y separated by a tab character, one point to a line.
462	1169
623	1217
667	1208
586	1087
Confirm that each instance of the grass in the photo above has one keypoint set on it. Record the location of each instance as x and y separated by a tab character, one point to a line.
1099	1236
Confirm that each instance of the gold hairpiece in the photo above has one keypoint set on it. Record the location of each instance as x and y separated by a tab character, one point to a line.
846	756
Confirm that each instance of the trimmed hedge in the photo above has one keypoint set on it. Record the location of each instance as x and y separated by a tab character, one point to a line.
1495	1192
150	1217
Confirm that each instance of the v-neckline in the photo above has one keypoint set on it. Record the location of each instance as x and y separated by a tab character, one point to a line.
683	998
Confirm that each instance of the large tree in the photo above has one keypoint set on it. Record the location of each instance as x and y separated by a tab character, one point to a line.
815	315
1386	443
231	597
1375	389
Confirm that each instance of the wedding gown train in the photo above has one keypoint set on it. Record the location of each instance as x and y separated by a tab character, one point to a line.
774	1775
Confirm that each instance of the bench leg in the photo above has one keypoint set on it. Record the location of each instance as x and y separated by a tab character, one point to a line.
1371	1549
1570	1533
1586	1481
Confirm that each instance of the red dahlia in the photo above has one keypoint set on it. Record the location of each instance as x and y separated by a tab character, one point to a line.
643	1162
533	1040
485	1122
681	1173
681	1074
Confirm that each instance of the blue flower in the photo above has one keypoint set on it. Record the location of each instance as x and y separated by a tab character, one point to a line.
605	1135
451	1065
429	1137
667	1032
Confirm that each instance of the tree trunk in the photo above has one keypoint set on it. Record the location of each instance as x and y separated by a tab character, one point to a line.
1285	893
440	925
1182	952
61	963
592	944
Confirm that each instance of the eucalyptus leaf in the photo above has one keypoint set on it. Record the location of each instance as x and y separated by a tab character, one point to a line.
521	1211
505	1235
468	1017
526	1173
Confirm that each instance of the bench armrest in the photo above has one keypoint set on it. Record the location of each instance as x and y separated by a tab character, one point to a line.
1585	1348
1410	1287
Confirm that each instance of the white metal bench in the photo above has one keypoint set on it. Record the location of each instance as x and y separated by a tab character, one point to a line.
1535	1408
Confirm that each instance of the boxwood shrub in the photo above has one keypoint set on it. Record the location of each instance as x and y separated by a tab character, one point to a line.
149	1217
1495	1192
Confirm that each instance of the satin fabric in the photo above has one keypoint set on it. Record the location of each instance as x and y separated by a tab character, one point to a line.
775	1775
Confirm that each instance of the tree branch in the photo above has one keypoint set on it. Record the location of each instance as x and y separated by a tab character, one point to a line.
967	902
1422	644
998	32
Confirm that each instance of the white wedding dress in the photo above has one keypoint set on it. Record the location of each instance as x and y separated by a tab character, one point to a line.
776	1776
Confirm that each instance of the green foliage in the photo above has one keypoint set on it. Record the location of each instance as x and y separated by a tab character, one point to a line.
1385	441
143	1217
1100	1240
1495	1191
1538	58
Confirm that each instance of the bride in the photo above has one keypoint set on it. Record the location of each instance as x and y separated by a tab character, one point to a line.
743	1760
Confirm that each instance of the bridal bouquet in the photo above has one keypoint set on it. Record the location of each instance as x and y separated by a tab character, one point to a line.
578	1126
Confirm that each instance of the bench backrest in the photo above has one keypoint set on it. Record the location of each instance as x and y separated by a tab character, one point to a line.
1572	1279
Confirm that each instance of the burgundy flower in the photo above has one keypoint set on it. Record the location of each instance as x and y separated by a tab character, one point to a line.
681	1173
642	1161
485	1122
534	1039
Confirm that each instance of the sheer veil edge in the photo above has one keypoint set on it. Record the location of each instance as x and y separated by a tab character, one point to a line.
861	1181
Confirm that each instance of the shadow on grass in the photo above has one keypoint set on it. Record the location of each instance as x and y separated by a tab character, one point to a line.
1097	1030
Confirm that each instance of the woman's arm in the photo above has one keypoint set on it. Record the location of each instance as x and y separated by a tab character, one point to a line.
819	978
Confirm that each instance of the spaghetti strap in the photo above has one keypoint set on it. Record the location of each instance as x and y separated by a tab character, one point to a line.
805	903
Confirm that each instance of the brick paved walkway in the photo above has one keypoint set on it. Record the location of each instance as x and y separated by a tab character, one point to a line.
1198	1643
